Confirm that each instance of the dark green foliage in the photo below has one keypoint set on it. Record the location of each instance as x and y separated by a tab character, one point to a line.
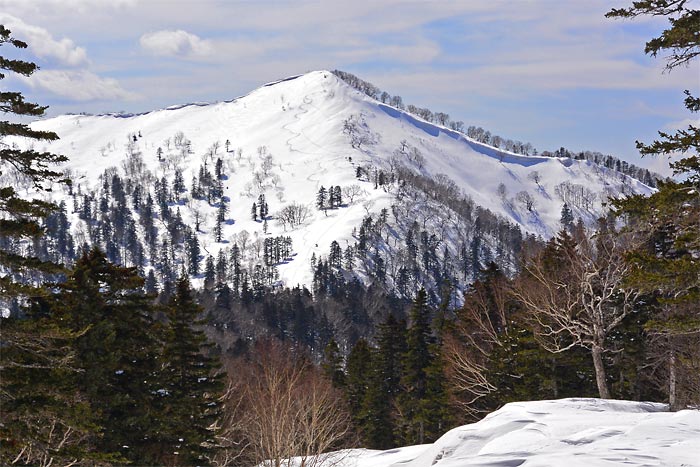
189	388
358	370
422	398
20	216
220	219
193	252
494	357
40	401
681	37
567	218
36	363
116	351
209	272
665	264
321	201
333	364
379	405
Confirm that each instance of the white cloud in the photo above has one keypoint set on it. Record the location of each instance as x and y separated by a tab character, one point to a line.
39	10
175	43
42	43
682	124
79	85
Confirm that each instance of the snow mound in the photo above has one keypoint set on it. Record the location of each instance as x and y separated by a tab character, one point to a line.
567	432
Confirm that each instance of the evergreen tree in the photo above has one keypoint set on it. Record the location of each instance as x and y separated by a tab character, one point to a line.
358	370
219	168
335	257
36	364
223	296
435	405
151	285
20	216
117	351
178	184
189	387
262	205
321	202
567	218
666	264
333	364
379	416
209	272
193	252
337	197
220	219
415	414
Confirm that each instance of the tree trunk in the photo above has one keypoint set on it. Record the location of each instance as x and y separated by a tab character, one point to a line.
672	399
555	383
597	353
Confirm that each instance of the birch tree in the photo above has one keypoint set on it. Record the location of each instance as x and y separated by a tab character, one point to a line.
575	296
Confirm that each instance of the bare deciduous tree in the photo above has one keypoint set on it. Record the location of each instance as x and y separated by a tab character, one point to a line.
576	295
286	413
526	200
480	325
351	192
535	177
293	215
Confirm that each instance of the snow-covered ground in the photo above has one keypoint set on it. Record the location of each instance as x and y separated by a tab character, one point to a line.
557	433
300	121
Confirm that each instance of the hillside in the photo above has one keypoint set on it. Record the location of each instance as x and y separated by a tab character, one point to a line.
572	432
461	202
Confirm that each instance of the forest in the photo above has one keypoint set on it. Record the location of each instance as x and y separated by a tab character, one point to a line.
105	361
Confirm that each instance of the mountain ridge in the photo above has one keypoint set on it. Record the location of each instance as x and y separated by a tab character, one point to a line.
287	139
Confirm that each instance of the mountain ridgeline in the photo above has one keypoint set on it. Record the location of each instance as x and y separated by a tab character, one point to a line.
341	202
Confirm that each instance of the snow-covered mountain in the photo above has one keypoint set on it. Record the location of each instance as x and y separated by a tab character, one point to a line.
285	141
571	432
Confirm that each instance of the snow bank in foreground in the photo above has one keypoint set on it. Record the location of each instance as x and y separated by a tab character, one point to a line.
567	432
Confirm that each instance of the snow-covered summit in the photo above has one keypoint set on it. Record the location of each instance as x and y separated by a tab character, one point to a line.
566	432
288	138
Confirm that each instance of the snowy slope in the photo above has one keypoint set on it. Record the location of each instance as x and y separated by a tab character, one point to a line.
300	122
567	432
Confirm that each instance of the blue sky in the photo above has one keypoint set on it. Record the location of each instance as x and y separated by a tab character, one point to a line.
554	73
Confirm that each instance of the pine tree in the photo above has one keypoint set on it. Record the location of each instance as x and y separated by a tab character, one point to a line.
667	264
358	370
20	215
189	387
219	168
117	351
416	361
337	197
567	218
335	258
193	252
36	360
435	404
379	418
321	202
178	184
209	272
333	364
220	219
262	205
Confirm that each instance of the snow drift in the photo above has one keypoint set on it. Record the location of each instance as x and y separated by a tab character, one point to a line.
567	432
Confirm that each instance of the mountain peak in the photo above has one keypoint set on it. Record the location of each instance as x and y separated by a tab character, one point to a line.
291	139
